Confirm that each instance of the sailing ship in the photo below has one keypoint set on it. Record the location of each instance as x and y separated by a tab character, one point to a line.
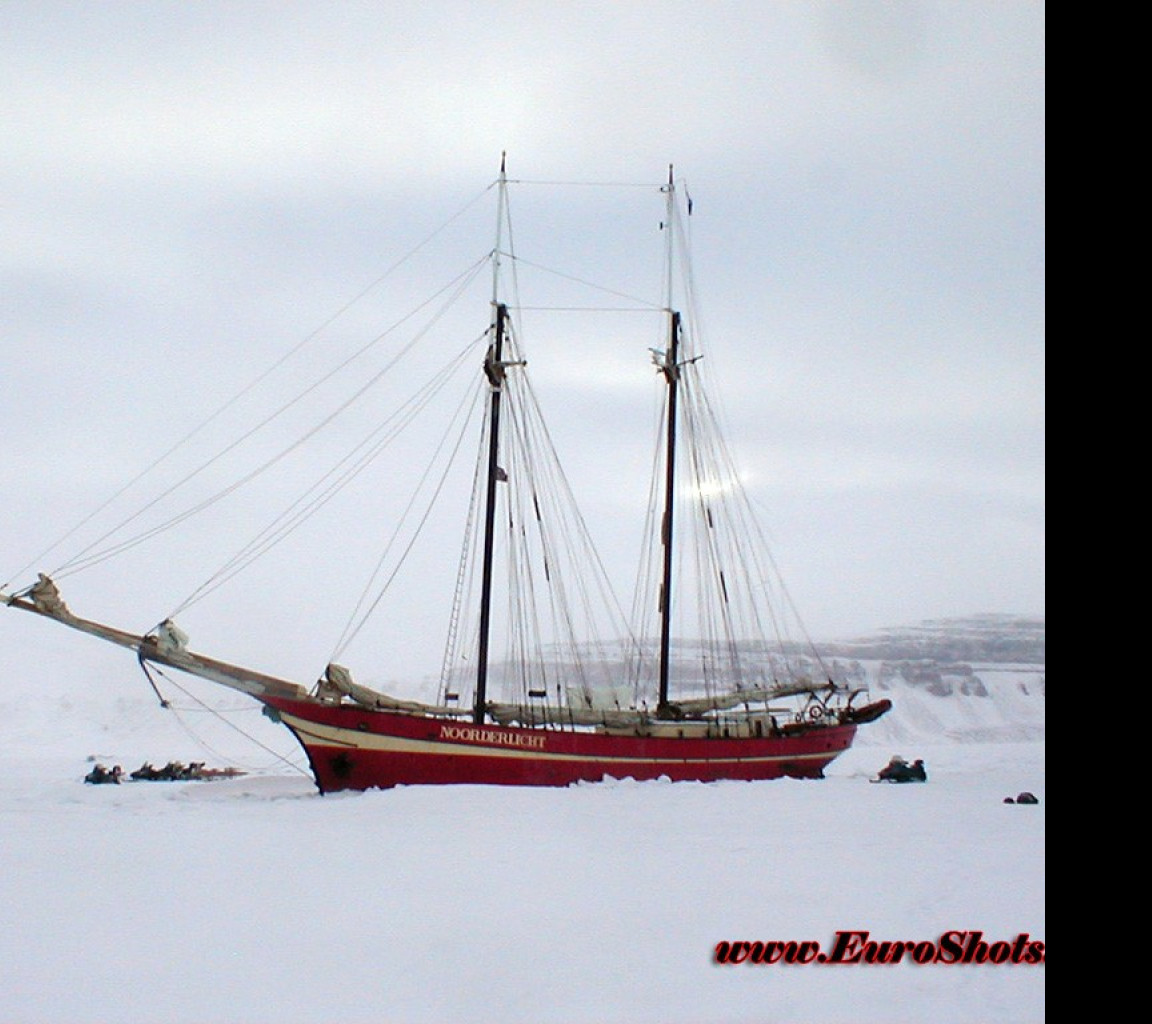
733	701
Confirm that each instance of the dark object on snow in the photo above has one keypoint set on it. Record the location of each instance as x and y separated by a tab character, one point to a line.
100	775
899	770
1027	798
174	771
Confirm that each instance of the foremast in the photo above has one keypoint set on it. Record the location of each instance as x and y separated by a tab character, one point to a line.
494	367
669	364
494	370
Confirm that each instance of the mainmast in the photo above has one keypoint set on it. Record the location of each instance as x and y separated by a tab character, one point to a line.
494	371
670	367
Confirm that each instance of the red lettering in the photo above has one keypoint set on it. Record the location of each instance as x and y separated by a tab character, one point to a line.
846	949
951	947
805	953
977	950
998	952
883	952
924	952
855	946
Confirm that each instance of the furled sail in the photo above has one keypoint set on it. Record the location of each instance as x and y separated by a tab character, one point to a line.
338	683
538	714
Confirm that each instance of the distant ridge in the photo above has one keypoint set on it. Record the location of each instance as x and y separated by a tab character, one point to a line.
1003	639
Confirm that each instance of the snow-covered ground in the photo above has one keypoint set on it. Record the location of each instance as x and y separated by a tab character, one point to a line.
256	900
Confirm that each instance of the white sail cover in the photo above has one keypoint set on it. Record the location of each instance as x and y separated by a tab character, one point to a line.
340	680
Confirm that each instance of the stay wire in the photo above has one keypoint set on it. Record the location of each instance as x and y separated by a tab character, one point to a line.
351	633
84	560
199	740
252	385
644	305
328	486
586	184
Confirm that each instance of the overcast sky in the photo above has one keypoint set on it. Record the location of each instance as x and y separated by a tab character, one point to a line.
188	190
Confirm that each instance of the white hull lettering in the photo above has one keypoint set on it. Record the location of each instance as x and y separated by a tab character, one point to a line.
491	737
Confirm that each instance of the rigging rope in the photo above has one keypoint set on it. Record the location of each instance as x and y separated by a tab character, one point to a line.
552	537
644	304
79	563
465	567
299	511
587	184
350	632
252	385
215	713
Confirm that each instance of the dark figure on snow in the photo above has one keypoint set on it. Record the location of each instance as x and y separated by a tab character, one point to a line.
894	770
101	775
899	770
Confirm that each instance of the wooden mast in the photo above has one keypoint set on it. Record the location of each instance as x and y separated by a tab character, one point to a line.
494	371
671	371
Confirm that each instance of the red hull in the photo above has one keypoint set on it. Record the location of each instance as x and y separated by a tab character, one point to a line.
355	748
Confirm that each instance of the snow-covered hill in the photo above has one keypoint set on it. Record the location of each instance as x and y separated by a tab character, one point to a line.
964	703
977	680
